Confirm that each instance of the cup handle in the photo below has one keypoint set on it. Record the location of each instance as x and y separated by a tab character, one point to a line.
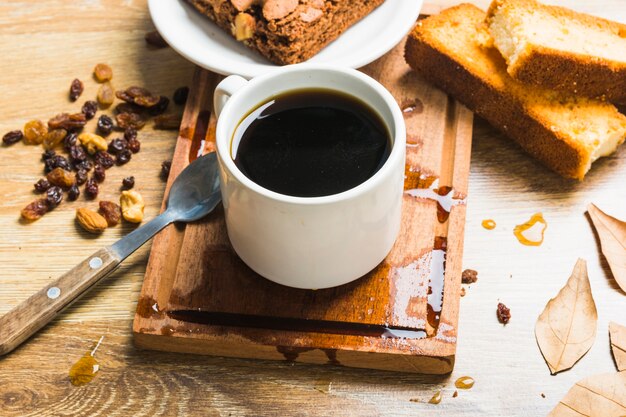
224	90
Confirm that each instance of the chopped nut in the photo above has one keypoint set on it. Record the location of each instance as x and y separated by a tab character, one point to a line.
504	313
469	276
111	212
277	9
61	177
93	142
90	220
102	72
244	26
132	206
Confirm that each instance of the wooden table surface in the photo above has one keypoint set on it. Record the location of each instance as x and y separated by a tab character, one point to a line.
44	45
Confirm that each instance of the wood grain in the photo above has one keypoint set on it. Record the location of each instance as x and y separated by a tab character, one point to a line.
505	185
230	310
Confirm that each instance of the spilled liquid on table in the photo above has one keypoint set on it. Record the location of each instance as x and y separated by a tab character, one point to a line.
531	233
85	369
489	224
464	382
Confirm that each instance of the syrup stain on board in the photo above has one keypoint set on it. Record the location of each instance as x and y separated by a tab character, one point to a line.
436	398
427	187
464	382
489	224
531	233
199	136
85	369
436	281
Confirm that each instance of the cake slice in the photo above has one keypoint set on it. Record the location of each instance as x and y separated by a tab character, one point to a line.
454	51
560	49
285	31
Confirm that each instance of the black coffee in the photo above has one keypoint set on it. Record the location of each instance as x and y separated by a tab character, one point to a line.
311	143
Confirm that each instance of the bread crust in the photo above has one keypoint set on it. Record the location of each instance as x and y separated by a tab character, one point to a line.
292	38
493	99
569	72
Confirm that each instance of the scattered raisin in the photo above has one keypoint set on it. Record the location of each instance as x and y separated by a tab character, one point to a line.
469	276
105	95
111	212
42	185
128	108
61	177
123	157
102	73
54	196
167	122
504	313
126	120
128	183
130	133
12	137
47	154
99	173
180	95
77	154
35	210
165	169
134	145
104	158
73	193
35	132
57	161
75	121
54	138
139	96
105	125
149	101
81	176
117	145
76	89
89	109
70	140
155	39
160	107
86	165
91	189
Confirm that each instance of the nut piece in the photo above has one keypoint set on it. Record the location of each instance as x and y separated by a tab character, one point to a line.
132	206
311	14
93	142
277	9
244	26
90	220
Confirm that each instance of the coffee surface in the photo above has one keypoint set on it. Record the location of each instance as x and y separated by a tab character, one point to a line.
311	143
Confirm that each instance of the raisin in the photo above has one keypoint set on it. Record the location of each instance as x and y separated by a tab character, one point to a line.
155	39
66	121
12	137
167	122
130	133
70	140
86	165
35	210
134	145
149	101
91	189
105	125
47	154
42	185
504	313
160	107
89	109
180	95
76	89
81	176
117	145
469	276
126	120
99	173
73	193
123	157
128	108
105	95
77	154
139	96
54	196
128	183
61	177
104	158
57	161
102	73
54	138
35	132
111	212
165	169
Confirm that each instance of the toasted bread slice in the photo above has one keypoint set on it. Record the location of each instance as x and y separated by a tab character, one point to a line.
560	49
454	51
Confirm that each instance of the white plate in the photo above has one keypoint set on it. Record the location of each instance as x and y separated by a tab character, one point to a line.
201	41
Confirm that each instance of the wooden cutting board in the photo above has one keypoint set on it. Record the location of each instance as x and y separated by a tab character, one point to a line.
199	297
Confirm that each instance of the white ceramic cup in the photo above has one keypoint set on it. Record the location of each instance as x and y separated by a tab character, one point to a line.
309	242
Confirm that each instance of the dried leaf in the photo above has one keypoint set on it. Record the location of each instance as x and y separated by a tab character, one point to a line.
617	334
597	396
566	328
612	234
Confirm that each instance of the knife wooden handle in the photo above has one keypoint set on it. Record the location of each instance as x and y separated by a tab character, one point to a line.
38	310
